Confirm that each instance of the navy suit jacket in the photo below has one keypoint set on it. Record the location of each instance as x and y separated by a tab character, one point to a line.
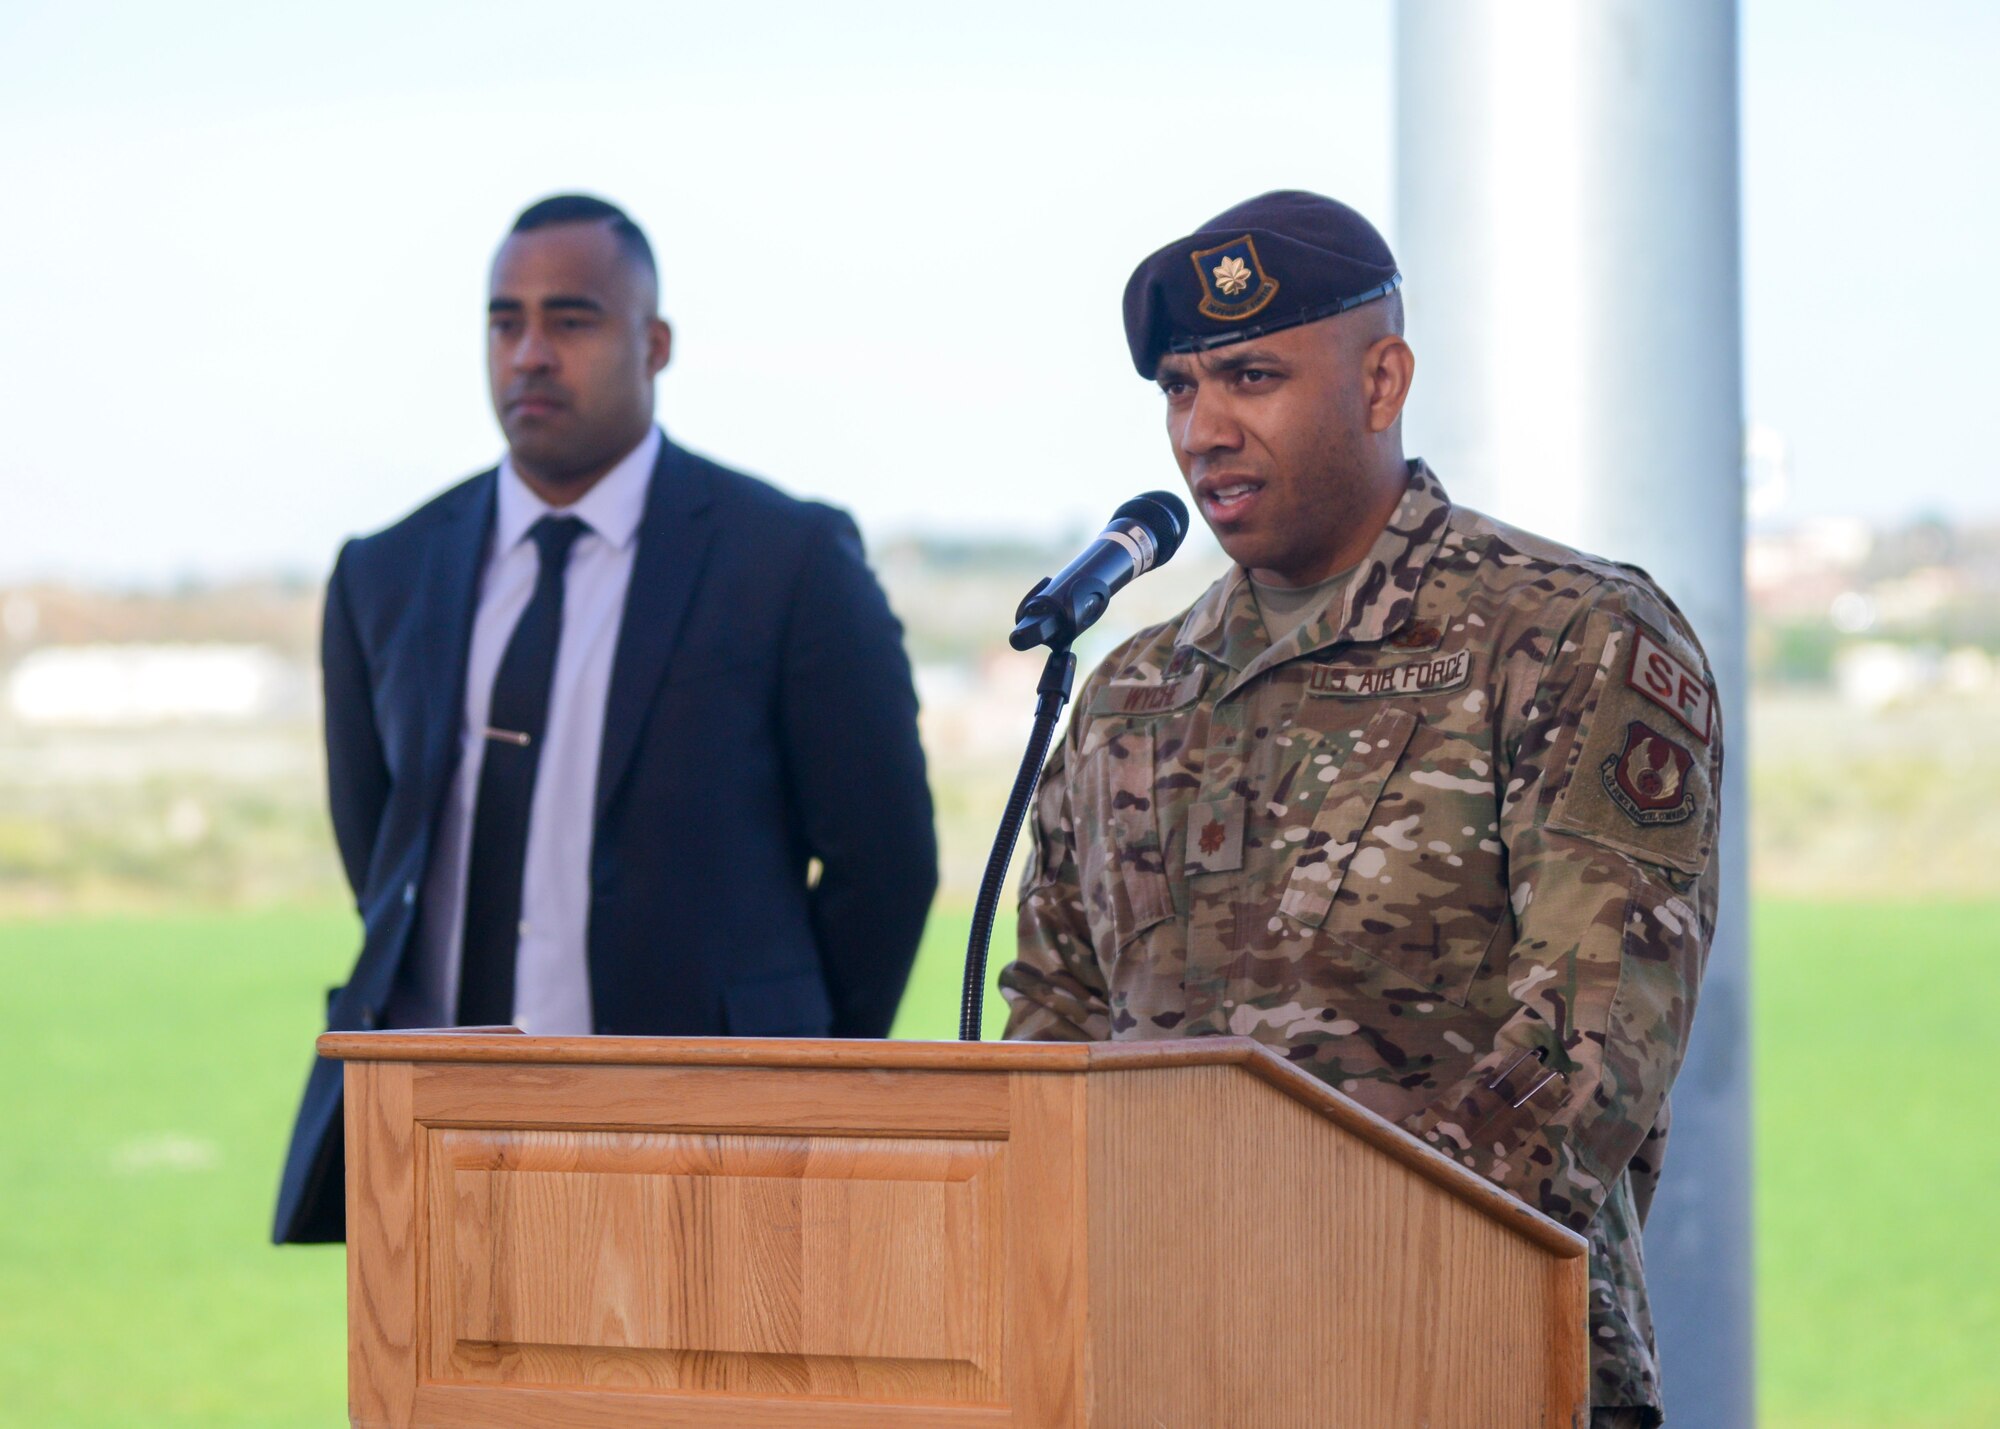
760	715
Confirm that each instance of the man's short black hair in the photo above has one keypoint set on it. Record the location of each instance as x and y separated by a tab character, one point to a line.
582	208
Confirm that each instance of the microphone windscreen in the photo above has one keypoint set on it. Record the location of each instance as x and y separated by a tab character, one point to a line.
1164	515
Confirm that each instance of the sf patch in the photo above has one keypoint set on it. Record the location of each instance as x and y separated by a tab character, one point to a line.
1671	685
1234	284
1648	778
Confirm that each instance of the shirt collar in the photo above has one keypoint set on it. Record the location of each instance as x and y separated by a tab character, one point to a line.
1377	599
612	508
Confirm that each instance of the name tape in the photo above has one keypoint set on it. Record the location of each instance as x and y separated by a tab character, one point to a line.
1118	699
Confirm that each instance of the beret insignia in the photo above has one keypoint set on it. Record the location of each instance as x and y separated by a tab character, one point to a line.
1233	281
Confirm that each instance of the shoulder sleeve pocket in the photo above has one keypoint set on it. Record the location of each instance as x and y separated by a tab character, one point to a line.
1643	782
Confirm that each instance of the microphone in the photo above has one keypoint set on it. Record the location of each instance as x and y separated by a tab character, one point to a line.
1143	533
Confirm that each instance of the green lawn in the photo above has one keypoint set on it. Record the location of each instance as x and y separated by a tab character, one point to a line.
1877	1161
149	1069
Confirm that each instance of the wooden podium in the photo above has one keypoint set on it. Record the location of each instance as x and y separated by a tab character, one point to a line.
598	1232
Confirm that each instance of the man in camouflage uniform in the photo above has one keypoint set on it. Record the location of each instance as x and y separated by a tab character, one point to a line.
1425	803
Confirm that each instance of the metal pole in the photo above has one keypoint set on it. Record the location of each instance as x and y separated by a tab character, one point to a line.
1568	228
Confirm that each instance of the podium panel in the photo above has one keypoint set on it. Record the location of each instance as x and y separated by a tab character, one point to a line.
600	1232
1325	1275
852	1266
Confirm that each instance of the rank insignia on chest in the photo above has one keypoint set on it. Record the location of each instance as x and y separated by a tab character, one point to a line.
1233	282
1215	836
1431	676
1648	779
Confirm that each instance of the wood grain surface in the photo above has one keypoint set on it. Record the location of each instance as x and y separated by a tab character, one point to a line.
382	1233
594	1232
754	1264
1252	1266
968	1057
857	1101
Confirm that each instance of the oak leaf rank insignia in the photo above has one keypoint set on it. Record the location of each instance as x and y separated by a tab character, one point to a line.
1215	836
1232	276
1234	284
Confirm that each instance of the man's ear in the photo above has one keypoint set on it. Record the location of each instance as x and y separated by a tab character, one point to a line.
1387	369
659	345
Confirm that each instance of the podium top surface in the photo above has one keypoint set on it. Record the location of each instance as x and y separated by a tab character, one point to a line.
495	1044
511	1047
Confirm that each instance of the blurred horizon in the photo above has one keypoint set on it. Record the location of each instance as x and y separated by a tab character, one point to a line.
895	284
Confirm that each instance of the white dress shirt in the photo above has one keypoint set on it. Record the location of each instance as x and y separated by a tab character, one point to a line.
551	974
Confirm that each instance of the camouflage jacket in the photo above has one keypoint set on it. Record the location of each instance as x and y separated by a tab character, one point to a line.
1449	847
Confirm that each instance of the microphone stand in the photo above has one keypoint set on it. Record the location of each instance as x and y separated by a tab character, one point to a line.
1051	694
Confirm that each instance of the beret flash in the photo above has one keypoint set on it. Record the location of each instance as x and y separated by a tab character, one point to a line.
1271	262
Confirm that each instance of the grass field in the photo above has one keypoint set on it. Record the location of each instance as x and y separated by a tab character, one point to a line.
149	1069
1877	1159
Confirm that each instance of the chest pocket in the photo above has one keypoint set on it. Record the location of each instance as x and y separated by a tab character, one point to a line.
1402	863
1336	830
1114	794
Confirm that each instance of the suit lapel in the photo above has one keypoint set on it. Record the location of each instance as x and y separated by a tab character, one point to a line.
674	536
446	604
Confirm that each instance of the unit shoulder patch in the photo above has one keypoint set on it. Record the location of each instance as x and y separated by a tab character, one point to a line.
1648	778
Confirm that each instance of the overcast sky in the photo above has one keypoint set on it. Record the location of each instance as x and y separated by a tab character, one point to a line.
244	250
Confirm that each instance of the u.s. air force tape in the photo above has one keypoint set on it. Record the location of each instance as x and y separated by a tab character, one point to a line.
1431	676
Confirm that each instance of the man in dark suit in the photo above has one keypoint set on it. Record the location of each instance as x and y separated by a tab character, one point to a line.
618	740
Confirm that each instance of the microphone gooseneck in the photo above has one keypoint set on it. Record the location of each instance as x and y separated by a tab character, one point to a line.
1143	533
1051	694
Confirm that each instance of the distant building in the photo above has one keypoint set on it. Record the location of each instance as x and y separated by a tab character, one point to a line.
126	685
1874	674
1802	570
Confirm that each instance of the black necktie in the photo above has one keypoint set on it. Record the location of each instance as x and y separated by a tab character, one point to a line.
515	721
